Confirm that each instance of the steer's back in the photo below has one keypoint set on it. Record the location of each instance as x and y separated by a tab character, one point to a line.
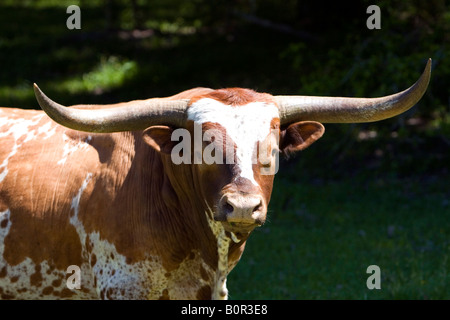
39	180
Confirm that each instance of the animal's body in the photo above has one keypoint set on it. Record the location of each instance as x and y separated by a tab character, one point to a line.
108	198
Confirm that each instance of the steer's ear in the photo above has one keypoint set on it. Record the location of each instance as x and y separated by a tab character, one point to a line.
300	135
159	138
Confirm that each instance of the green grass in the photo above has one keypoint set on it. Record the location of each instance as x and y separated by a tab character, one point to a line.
320	239
111	73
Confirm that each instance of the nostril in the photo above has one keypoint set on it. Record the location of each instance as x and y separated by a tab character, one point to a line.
228	208
258	207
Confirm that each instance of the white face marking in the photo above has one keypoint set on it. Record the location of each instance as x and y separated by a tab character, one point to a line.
246	125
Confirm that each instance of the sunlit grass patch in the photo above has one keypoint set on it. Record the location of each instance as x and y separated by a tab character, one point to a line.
20	92
111	72
175	27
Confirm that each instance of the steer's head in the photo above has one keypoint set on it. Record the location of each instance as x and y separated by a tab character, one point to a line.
231	137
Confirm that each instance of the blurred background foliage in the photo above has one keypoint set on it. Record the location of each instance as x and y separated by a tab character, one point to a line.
137	49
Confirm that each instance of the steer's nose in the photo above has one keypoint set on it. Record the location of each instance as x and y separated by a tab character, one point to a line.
243	208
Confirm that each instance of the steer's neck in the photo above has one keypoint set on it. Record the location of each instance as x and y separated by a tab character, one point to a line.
170	211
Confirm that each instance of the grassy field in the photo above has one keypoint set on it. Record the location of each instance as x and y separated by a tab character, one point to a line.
368	194
321	238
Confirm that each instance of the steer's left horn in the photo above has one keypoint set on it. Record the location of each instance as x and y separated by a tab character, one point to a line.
129	116
351	110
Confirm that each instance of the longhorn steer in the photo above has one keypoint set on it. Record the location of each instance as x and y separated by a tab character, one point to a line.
98	188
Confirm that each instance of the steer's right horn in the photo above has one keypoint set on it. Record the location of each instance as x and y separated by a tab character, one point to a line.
351	110
129	116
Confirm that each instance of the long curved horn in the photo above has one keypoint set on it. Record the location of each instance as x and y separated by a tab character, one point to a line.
130	116
351	110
